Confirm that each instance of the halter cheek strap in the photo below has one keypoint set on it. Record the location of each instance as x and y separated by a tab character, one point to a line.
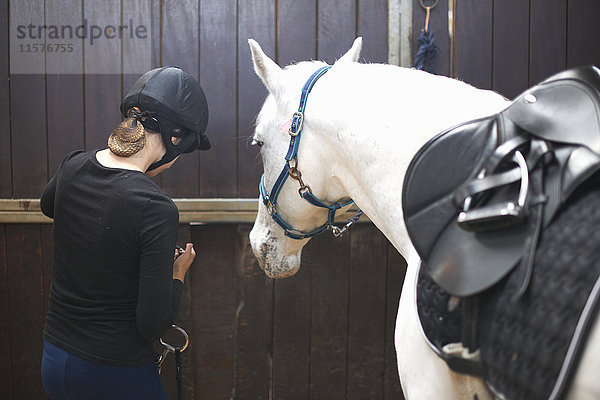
305	192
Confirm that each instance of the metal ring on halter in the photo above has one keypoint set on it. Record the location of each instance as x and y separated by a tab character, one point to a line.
172	349
495	216
435	3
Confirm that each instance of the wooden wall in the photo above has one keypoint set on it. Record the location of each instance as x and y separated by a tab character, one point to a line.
510	45
44	116
328	331
325	333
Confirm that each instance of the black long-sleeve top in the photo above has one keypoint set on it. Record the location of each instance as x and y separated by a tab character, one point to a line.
113	291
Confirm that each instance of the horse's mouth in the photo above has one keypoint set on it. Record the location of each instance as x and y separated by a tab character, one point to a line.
280	271
273	265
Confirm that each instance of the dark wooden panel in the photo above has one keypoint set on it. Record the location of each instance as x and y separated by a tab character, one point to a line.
296	41
218	41
396	269
438	25
65	117
64	91
583	33
254	321
213	282
256	20
26	299
5	156
292	333
6	388
47	254
510	71
329	317
373	27
548	39
156	34
367	313
28	134
102	83
473	62
28	104
180	48
139	51
336	28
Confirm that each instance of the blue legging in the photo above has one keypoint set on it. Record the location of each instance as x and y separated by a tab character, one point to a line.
66	376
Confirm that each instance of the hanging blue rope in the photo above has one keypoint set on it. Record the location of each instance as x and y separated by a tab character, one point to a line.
428	52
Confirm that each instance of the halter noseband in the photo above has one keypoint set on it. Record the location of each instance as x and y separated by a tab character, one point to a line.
305	192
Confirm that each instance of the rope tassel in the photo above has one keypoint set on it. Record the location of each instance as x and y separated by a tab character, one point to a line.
428	51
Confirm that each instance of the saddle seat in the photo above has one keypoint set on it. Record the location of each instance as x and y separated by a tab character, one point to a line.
476	196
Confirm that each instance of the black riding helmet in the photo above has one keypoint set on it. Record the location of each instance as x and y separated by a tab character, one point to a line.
173	103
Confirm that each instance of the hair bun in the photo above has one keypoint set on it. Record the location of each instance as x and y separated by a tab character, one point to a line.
128	138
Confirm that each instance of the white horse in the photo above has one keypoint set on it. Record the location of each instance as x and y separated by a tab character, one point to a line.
363	124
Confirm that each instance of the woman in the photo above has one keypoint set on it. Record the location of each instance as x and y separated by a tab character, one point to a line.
115	286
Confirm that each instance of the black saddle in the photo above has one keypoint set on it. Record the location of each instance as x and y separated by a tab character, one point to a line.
477	196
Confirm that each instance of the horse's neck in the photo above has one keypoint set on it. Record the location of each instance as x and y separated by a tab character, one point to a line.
375	146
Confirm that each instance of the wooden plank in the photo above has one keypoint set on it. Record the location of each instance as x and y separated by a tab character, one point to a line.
583	33
373	27
367	313
438	25
396	269
28	104
180	48
218	57
253	328
137	45
47	256
548	39
5	155
256	20
474	42
64	82
510	70
329	317
296	41
214	284
196	211
291	334
336	28
102	70
6	386
25	288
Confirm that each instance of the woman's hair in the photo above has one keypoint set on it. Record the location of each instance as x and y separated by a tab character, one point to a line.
129	136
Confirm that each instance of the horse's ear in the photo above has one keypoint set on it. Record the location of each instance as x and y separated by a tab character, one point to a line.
353	54
266	69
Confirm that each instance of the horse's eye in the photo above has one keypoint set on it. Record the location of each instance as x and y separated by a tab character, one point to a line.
255	142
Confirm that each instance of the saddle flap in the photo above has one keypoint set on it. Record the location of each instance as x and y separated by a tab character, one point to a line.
564	108
465	262
444	163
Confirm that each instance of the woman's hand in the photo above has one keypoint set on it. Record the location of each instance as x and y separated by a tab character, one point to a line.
183	262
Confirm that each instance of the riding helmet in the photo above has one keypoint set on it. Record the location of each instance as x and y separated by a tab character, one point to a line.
173	103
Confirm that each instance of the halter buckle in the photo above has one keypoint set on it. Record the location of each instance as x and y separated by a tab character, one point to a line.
296	125
271	208
303	189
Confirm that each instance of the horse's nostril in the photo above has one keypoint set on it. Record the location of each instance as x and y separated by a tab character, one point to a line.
264	248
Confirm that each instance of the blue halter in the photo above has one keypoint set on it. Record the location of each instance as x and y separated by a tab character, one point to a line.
305	192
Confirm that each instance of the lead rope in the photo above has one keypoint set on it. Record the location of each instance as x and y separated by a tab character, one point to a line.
177	350
178	374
